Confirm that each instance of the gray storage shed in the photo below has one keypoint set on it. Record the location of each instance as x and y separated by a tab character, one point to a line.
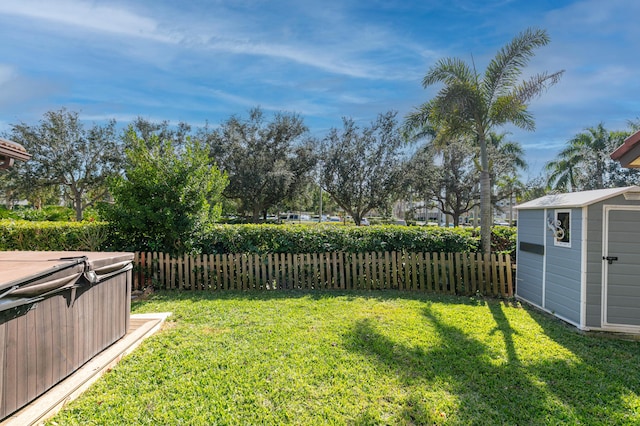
578	257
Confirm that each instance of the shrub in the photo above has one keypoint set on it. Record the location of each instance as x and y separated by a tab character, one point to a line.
327	238
259	239
503	239
27	235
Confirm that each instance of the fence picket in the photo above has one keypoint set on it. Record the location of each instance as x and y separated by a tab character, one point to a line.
451	272
509	274
502	291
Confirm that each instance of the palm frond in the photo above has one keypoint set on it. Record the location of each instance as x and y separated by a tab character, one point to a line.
535	85
417	124
508	108
448	71
505	68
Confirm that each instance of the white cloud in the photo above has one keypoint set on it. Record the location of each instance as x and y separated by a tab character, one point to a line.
87	15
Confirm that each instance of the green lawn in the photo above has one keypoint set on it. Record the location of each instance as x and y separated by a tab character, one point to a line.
363	359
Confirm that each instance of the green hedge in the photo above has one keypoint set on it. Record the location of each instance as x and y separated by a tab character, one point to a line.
327	238
28	235
24	235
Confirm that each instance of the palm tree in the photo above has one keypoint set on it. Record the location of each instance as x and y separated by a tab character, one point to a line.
584	163
472	105
562	174
508	156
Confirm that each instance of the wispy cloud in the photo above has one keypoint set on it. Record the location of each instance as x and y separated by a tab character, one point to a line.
337	57
87	15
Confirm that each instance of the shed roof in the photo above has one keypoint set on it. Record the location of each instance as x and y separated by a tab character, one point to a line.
577	199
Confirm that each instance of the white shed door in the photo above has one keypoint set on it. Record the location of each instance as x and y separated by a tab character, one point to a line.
621	268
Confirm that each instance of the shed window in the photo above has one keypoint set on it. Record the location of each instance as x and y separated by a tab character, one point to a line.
563	228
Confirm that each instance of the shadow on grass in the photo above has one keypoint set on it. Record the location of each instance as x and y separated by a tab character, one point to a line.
606	371
597	383
551	391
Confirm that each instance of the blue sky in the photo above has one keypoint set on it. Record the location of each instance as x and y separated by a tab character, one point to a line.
201	61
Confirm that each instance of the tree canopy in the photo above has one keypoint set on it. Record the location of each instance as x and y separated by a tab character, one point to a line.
67	158
266	161
451	182
167	196
362	167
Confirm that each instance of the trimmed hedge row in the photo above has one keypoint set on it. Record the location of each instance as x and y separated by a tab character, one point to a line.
260	239
327	238
28	235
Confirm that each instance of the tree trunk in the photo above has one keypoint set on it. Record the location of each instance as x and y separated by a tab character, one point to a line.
77	204
485	198
456	219
255	215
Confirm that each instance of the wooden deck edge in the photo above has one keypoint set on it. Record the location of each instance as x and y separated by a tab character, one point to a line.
49	403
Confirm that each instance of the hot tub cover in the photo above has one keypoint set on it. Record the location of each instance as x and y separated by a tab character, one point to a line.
28	276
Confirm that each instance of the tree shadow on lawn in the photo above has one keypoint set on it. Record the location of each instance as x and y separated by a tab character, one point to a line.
606	371
485	390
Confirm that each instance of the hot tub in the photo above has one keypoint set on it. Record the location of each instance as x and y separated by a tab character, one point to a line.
57	311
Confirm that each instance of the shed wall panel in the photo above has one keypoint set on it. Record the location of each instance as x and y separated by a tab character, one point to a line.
530	265
563	271
594	264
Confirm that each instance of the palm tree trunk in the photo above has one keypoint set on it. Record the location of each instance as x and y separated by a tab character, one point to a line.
485	197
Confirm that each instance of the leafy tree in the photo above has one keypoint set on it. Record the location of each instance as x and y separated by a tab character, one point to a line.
68	156
167	196
534	188
14	188
362	168
267	161
585	163
145	130
510	188
472	105
452	183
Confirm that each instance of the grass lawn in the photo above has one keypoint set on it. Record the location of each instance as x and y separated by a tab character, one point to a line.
362	359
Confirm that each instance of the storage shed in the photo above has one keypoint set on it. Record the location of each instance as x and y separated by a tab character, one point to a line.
578	257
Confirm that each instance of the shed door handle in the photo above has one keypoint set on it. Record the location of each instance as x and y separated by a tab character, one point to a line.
610	259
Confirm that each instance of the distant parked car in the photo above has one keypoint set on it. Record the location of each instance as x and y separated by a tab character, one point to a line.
364	221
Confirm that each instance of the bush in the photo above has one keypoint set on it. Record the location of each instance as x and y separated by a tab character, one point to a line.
27	235
47	213
259	239
503	239
326	238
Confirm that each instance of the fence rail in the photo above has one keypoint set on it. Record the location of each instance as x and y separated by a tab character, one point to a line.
448	273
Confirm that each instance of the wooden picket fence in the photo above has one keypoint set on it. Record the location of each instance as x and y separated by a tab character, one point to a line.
448	273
